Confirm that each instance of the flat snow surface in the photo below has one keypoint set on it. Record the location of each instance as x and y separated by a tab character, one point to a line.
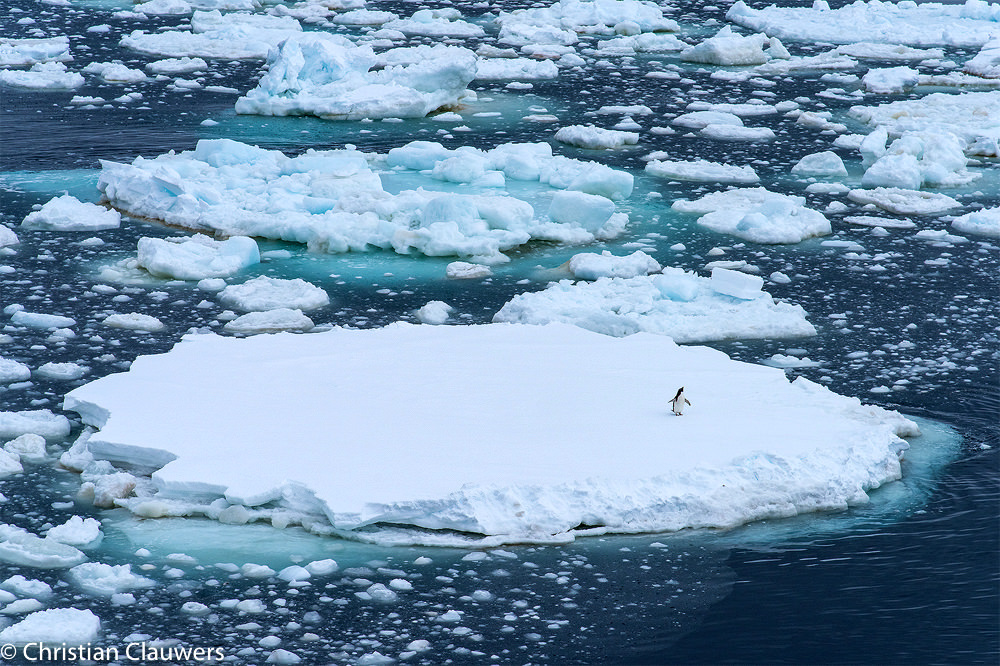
512	430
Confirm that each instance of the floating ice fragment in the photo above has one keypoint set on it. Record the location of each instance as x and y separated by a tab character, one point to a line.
40	422
463	270
590	266
904	201
264	293
56	626
22	548
984	222
737	284
77	531
826	163
757	215
270	321
588	136
434	312
197	257
13	371
42	76
106	579
134	321
61	371
67	213
703	170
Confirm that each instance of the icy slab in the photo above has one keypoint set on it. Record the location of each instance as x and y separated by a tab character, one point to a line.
41	320
234	36
266	293
171	66
903	201
197	257
984	222
113	72
67	213
55	626
968	25
463	270
519	69
270	321
757	215
588	136
334	200
879	51
647	42
702	119
737	133
591	266
736	284
702	170
681	305
986	63
134	321
105	579
13	371
926	158
42	76
329	76
29	51
890	79
972	116
37	422
729	48
22	548
61	371
655	472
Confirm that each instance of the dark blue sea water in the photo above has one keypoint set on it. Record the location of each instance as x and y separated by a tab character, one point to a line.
911	578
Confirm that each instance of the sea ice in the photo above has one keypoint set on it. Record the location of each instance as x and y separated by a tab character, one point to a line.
266	293
77	531
25	587
730	48
824	164
232	36
879	51
591	266
904	201
463	270
22	548
329	76
681	305
434	312
270	321
969	24
106	579
986	63
114	72
757	215
134	321
890	79
657	472
173	66
7	236
582	16
42	76
61	371
334	201
588	136
29	447
737	133
445	22
702	170
29	51
984	222
13	371
55	626
67	213
196	257
39	422
521	69
702	119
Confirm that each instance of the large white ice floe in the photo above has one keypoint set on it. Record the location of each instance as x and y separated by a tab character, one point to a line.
233	36
972	116
757	215
334	200
516	458
329	76
986	63
681	305
67	213
925	24
28	51
54	626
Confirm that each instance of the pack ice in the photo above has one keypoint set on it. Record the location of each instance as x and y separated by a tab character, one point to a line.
334	200
518	432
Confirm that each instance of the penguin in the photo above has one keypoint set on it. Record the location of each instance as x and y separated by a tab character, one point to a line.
677	404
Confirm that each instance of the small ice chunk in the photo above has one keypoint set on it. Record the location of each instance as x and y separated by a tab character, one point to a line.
106	579
703	170
890	79
826	163
985	222
434	312
13	371
28	447
590	266
40	422
26	587
41	320
197	257
134	321
463	270
322	567
589	211
77	531
22	548
594	138
62	371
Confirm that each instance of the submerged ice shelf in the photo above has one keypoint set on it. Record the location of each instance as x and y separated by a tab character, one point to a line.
430	427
